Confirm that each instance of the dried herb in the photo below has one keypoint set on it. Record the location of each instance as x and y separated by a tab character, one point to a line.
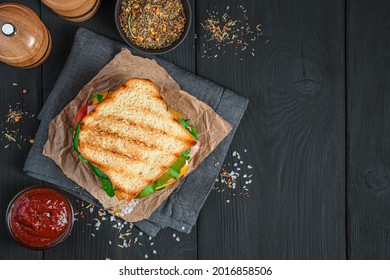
223	32
152	24
10	129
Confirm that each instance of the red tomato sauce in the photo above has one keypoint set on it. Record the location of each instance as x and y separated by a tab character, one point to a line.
40	217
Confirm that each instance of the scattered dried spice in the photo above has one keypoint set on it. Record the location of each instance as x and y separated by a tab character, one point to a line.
229	180
225	31
15	115
152	24
127	236
11	127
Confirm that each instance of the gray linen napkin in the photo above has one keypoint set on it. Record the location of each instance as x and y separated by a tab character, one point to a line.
90	53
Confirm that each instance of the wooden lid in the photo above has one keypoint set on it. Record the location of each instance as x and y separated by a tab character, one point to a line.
64	5
22	33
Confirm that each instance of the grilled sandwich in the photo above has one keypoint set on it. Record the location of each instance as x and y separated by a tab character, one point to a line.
133	141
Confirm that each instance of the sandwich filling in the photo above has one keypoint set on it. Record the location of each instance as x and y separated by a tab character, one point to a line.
175	171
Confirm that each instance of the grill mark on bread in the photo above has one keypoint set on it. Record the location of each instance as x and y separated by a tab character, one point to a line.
143	94
98	126
105	167
145	126
141	110
133	141
114	153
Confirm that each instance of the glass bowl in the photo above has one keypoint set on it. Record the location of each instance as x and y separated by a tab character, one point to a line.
40	217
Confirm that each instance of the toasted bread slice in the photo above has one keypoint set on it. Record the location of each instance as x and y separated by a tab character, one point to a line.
132	137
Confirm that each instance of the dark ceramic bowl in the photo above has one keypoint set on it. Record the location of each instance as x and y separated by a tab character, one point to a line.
188	13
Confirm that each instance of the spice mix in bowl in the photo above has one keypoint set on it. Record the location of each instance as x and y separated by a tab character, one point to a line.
153	26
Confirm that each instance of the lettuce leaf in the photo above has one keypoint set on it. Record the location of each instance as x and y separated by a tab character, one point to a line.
173	171
190	128
107	187
106	183
149	190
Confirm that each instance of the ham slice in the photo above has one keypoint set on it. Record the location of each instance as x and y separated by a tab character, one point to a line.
195	149
90	108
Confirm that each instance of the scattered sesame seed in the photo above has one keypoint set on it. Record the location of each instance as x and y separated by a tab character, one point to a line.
230	178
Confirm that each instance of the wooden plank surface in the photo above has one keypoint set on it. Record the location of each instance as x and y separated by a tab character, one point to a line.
368	68
292	136
293	132
12	156
86	242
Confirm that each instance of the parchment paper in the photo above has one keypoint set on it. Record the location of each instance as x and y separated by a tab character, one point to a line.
211	128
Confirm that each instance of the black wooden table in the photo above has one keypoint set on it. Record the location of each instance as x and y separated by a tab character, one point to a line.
313	145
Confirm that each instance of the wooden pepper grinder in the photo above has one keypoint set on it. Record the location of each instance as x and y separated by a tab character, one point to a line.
74	10
24	40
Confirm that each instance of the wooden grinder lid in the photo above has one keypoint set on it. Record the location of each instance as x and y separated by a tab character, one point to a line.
22	34
64	5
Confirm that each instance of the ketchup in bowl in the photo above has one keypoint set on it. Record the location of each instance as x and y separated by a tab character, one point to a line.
40	217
